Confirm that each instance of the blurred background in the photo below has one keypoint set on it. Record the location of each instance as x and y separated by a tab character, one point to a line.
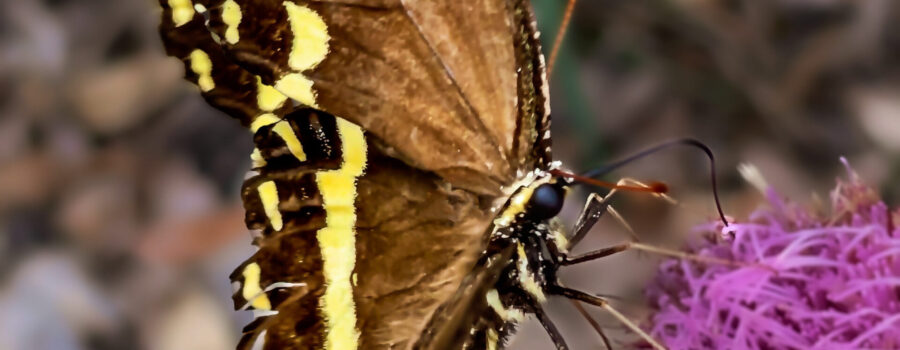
120	216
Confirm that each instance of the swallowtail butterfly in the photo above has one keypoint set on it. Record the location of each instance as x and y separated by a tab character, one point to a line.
402	185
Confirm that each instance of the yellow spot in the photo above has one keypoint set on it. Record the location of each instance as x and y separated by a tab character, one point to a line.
268	194
310	37
560	240
337	240
182	11
252	292
202	66
257	158
526	278
493	300
515	207
492	339
231	16
263	120
298	87
267	97
284	130
200	8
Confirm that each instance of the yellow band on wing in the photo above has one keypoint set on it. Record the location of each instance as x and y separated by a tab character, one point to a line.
182	11
267	98
257	159
202	66
263	120
309	46
337	240
298	87
310	37
252	291
283	129
268	195
231	16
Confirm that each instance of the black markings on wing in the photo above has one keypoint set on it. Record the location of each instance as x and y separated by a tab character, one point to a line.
456	90
266	37
531	147
289	256
388	76
299	204
236	89
286	258
318	136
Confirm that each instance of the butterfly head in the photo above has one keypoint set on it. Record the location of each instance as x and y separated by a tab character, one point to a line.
535	199
546	200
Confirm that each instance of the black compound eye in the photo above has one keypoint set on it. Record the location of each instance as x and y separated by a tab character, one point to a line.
546	201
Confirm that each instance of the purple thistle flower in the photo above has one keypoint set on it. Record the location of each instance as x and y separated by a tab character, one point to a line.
808	280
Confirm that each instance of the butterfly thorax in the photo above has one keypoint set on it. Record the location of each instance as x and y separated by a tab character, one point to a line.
514	270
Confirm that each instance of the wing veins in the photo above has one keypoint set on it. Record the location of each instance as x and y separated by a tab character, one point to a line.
468	104
363	49
357	5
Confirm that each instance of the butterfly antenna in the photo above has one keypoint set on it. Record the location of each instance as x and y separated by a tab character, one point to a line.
593	174
655	187
560	34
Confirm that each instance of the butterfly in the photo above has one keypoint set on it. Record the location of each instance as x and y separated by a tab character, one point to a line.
403	193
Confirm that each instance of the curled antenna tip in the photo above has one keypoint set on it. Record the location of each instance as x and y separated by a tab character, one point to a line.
683	141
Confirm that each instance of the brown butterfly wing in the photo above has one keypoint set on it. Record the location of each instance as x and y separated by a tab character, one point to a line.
437	155
438	83
459	320
416	240
284	282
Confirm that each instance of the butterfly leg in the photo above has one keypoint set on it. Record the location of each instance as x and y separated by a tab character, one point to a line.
586	298
577	295
565	260
598	205
551	329
594	208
